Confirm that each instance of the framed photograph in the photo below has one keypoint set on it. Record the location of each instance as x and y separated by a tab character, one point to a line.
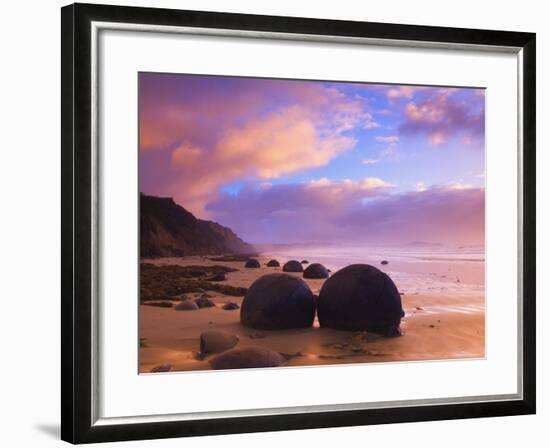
275	223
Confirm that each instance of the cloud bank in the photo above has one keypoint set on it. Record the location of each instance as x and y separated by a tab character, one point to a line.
355	212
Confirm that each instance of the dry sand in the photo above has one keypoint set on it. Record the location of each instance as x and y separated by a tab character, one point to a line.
442	323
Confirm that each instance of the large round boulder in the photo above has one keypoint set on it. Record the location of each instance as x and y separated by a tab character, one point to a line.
316	270
252	263
292	266
360	297
276	302
273	264
247	358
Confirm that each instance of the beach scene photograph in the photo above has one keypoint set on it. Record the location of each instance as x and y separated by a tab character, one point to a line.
292	223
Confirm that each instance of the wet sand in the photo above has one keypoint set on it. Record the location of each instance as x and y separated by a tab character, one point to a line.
443	321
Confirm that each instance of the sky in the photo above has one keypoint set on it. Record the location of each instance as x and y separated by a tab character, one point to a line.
289	161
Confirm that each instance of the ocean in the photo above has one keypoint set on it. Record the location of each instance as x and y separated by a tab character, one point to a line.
413	269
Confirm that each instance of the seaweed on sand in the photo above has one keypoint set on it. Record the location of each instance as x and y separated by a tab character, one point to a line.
170	281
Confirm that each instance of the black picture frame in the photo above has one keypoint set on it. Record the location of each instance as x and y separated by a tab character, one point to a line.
76	312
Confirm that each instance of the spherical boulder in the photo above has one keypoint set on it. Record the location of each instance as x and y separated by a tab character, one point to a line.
292	266
273	264
304	262
186	305
384	262
217	341
252	263
360	297
247	358
276	302
316	270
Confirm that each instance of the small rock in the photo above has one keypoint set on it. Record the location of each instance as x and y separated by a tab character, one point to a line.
419	308
217	341
292	266
316	270
161	368
273	264
186	305
252	263
231	306
304	262
204	302
219	277
384	262
247	358
355	348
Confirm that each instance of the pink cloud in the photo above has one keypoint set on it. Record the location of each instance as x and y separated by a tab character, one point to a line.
211	138
186	154
402	91
449	214
281	143
445	114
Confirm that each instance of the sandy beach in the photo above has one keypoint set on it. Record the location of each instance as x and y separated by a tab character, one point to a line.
443	299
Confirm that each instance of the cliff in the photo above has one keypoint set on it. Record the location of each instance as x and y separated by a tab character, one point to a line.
168	230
